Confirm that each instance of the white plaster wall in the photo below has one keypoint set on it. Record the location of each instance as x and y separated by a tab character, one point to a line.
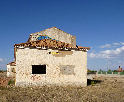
25	58
9	71
57	34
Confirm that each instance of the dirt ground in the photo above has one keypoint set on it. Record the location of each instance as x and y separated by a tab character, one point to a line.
101	90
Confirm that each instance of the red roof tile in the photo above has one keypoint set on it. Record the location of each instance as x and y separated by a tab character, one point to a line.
49	43
12	63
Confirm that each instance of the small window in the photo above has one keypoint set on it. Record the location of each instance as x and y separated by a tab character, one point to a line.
13	70
38	69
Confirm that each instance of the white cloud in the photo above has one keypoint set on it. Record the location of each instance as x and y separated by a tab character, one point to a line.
1	60
110	57
122	43
92	55
116	44
118	52
97	55
106	46
113	52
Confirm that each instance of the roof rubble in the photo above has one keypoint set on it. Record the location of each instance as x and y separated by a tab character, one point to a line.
49	43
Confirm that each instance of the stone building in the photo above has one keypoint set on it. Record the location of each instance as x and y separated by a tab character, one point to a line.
11	67
50	57
119	69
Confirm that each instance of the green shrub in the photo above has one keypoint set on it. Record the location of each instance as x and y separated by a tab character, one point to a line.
93	82
104	72
99	72
121	73
2	71
11	82
109	72
115	72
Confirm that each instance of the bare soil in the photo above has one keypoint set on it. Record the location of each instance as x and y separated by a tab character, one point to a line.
101	90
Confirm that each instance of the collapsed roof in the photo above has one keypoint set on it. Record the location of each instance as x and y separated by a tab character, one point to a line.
12	63
49	43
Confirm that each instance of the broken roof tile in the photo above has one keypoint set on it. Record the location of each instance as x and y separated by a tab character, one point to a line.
49	43
12	64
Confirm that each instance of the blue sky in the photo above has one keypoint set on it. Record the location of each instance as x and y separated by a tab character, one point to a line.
96	23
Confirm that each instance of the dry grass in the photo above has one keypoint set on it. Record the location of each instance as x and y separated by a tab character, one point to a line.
109	90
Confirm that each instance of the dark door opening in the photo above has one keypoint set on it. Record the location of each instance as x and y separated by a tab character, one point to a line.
38	69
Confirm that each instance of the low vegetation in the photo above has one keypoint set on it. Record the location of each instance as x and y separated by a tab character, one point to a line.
11	82
91	71
2	71
98	90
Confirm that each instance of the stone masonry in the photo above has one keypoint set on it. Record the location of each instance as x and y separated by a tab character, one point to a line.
54	75
54	59
56	34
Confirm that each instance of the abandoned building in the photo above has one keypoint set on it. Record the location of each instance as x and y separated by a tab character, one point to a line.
11	67
119	69
49	57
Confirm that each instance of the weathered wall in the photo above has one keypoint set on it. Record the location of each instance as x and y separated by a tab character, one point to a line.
56	34
11	71
61	70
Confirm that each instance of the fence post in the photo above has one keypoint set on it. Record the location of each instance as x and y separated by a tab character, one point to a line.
118	73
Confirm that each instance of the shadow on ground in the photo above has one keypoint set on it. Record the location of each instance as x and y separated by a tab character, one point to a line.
92	82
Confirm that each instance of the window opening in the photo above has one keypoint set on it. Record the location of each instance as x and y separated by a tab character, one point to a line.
38	69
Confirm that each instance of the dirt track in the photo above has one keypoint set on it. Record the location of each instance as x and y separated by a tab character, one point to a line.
107	90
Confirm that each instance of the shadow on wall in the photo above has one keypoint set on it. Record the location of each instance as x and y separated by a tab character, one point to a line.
93	82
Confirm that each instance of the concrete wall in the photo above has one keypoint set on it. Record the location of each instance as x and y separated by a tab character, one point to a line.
70	69
56	34
11	71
